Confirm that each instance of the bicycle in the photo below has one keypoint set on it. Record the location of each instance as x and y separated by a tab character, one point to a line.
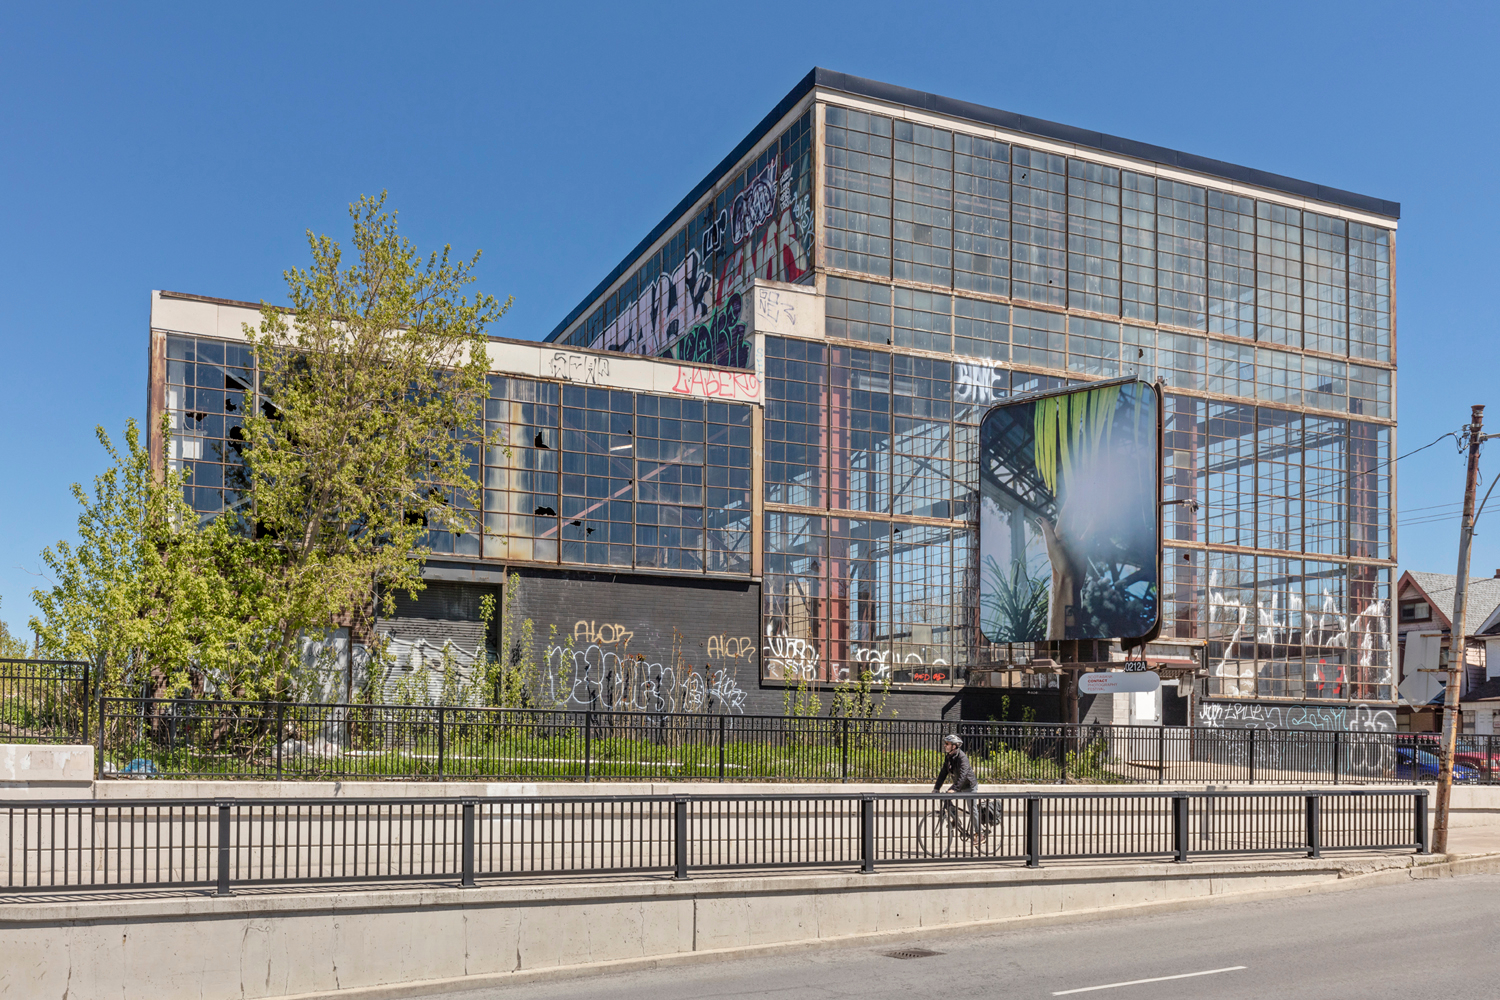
948	826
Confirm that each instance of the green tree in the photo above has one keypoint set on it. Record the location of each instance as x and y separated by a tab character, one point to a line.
371	427
145	593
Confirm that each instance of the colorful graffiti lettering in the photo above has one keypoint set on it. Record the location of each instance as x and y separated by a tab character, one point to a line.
717	385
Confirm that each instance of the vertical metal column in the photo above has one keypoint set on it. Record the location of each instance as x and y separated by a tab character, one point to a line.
680	838
723	719
88	697
1252	755
1033	832
467	881
441	746
588	745
1161	754
99	747
844	749
1337	756
1180	828
223	806
1314	830
280	729
1420	803
867	835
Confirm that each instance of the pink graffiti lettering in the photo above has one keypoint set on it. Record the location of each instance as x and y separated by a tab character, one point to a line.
716	384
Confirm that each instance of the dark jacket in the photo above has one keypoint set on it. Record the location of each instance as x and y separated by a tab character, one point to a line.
957	765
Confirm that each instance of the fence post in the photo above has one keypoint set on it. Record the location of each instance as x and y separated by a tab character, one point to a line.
442	742
280	730
99	747
680	838
83	733
223	806
1420	803
867	835
844	749
1033	832
1180	827
1337	756
1252	755
467	880
1314	823
1161	754
723	720
588	745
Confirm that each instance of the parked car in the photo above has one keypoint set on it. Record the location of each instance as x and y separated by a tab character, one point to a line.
1419	765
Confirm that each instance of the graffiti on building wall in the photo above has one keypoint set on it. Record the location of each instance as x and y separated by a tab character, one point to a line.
584	368
1250	715
695	312
979	385
712	384
603	676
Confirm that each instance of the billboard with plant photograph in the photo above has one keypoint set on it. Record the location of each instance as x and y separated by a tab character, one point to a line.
1069	523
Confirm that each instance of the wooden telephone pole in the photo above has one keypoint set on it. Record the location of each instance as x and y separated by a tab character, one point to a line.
1457	639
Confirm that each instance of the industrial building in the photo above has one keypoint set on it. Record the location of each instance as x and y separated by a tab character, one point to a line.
742	471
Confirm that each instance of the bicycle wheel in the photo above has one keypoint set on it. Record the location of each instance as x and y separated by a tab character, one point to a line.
935	833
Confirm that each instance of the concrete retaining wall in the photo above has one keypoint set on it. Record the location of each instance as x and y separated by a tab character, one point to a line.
365	943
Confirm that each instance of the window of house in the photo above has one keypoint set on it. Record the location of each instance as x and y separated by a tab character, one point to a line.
1415	611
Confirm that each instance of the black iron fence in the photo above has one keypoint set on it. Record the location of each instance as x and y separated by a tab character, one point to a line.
184	738
44	701
225	843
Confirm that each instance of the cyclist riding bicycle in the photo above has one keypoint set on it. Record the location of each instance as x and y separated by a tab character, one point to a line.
957	764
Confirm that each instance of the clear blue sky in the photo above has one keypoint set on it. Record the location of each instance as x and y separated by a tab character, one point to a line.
189	147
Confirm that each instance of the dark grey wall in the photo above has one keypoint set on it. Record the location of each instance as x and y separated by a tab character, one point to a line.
640	643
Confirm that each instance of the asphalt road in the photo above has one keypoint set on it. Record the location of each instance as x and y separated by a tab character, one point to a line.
1434	938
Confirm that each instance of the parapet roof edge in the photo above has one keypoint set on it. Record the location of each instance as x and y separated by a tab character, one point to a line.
937	104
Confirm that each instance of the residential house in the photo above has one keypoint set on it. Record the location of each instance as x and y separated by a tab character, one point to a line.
1424	615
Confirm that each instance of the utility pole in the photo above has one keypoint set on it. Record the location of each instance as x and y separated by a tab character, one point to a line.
1457	638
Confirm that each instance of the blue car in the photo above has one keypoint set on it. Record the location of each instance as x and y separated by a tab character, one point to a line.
1419	765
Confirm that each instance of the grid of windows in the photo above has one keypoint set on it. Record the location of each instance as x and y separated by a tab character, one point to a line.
1180	359
1231	368
858	310
981	329
1093	237
796	430
1181	227
1183	457
857	191
859	597
1369	490
1038	246
1369	293
726	491
1278	377
597	485
923	206
1228	474
1370	391
1326	465
981	215
1038	338
520	471
1278	274
1325	274
210	384
859	433
922	459
1231	265
1138	254
1278	479
924	320
1094	347
609	478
